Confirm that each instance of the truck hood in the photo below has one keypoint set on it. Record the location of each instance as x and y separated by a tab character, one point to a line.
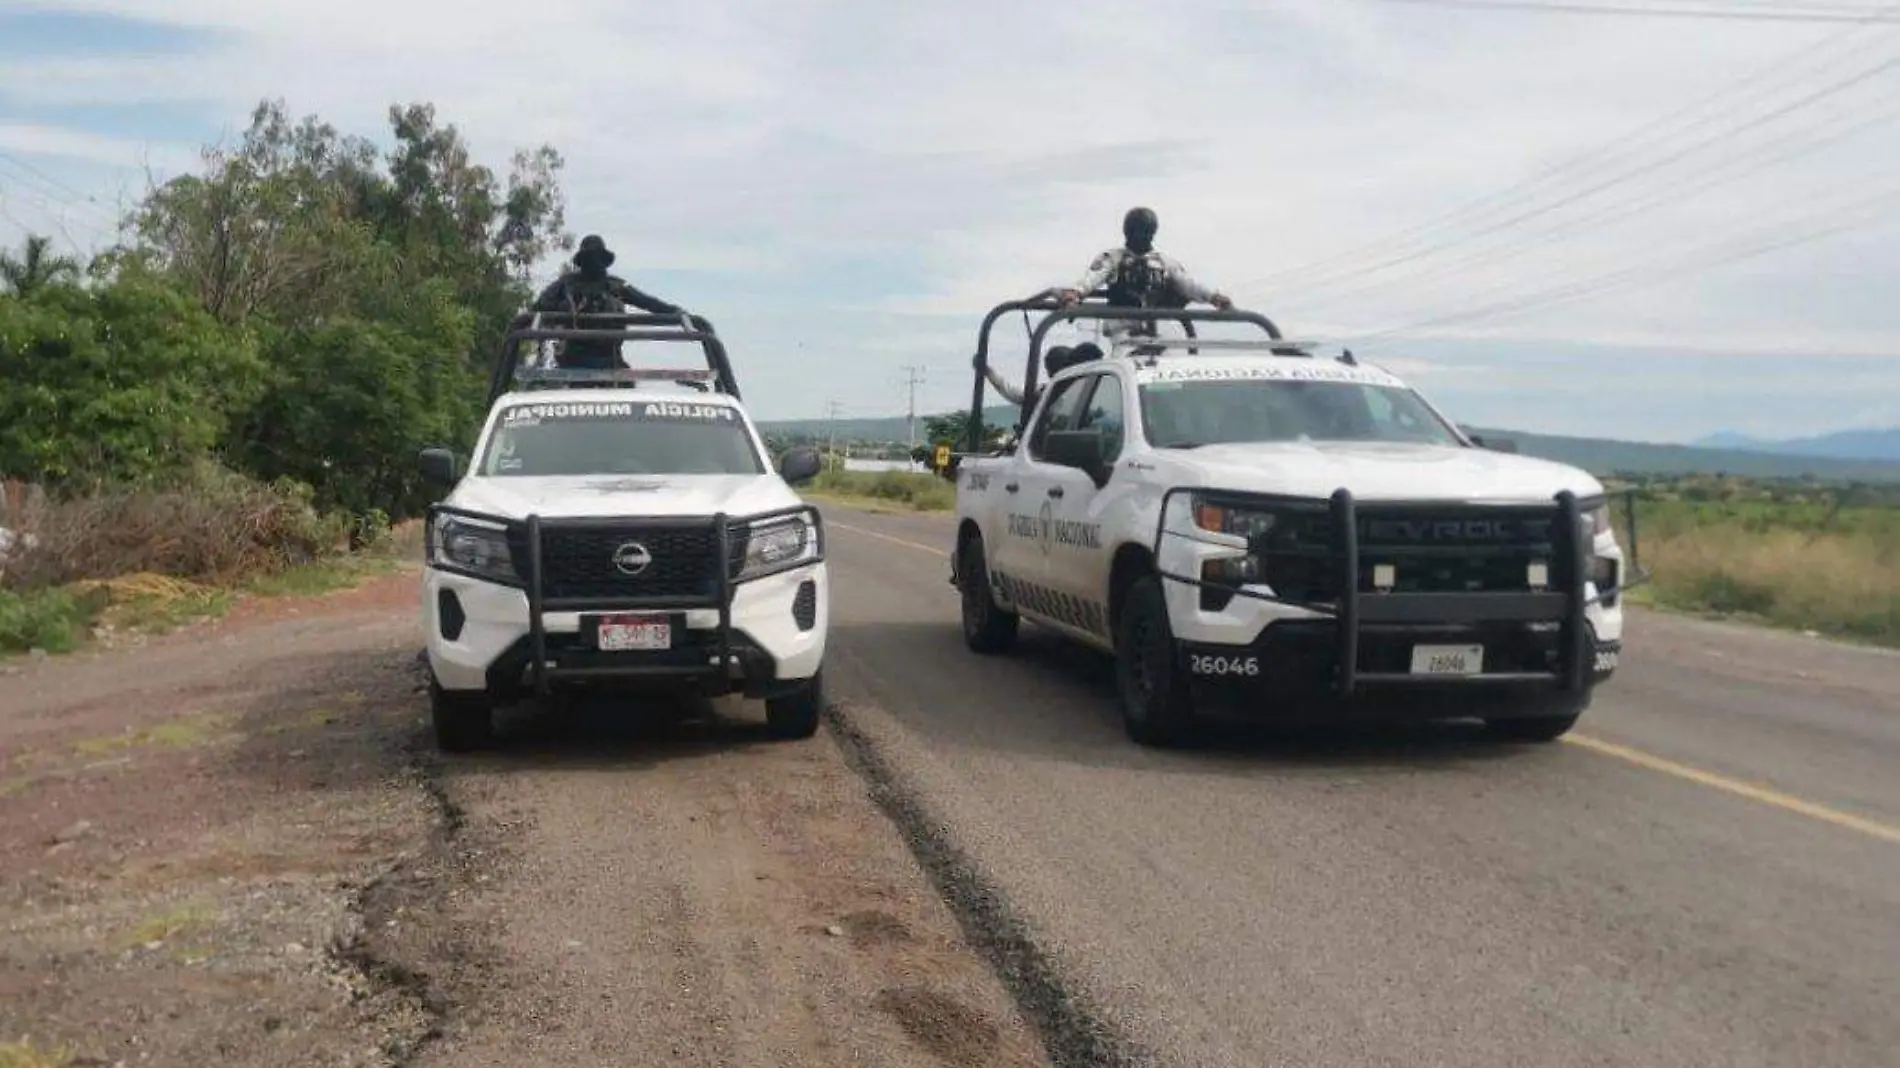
1382	471
624	495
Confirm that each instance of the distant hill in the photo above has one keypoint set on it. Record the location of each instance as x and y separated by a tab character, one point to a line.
1599	456
1602	456
1840	445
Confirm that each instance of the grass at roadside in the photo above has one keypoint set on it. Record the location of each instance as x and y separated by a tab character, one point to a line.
1799	558
888	491
61	619
24	1054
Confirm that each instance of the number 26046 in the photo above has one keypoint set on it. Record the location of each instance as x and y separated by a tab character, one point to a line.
1224	665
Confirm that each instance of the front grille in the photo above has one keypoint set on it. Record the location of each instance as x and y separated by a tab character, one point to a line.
579	562
1456	550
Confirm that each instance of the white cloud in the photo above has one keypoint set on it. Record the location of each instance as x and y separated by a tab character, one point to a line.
884	165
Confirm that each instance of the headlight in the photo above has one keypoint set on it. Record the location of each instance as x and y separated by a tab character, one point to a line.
477	546
1227	519
779	543
1596	520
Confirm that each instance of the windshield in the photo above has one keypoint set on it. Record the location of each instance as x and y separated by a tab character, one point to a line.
1188	414
621	438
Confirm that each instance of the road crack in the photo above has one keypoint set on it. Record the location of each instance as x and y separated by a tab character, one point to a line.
1074	1034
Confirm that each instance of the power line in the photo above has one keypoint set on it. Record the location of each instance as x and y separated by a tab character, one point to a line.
1573	198
1811	12
1708	258
1721	174
1761	81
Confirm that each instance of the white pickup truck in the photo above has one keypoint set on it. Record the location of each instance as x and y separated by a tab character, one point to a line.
1251	529
621	537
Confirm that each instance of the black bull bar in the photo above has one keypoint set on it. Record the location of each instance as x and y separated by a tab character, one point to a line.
528	536
1564	604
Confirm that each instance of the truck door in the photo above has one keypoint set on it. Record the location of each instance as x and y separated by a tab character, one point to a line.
1020	565
1079	555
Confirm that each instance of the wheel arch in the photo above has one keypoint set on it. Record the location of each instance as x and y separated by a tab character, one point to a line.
1132	560
968	530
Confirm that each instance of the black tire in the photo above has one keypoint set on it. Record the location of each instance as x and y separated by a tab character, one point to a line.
1532	728
464	722
795	715
1157	709
986	628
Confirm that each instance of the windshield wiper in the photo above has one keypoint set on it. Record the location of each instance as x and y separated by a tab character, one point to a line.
1184	444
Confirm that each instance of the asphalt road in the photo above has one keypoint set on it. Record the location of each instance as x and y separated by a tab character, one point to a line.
1707	872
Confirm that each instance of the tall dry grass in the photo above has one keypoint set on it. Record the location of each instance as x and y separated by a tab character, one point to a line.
918	492
215	526
78	557
1792	563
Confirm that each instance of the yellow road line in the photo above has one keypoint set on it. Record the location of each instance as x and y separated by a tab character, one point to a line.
1650	761
918	545
1766	796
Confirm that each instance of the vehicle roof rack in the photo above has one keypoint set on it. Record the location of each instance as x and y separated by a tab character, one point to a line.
1093	306
1150	348
537	326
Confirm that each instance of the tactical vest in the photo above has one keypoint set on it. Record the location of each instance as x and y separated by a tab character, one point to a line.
1140	280
591	296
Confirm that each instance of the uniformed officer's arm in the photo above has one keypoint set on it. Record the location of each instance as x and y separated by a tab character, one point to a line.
1009	392
1191	289
644	301
1097	275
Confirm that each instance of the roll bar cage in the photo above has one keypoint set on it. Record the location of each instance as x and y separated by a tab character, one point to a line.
611	326
1100	310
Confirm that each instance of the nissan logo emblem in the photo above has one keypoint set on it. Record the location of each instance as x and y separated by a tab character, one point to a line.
631	558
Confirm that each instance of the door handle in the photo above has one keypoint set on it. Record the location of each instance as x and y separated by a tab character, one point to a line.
1055	491
1010	487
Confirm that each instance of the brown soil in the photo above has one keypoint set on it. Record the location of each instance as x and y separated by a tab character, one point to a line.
234	845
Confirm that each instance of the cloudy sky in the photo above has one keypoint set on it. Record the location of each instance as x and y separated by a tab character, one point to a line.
1643	227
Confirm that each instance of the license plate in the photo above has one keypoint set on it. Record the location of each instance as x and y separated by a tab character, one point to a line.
1447	659
623	633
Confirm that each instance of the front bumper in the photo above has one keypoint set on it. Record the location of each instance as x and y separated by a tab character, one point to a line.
760	634
1253	653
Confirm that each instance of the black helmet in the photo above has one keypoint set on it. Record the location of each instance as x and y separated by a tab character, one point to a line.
593	254
1138	228
1056	359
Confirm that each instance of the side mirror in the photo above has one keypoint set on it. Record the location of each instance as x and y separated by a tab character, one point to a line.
800	465
438	466
1080	449
1494	444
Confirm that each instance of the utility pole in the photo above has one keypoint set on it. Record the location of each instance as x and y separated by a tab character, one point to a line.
831	438
916	375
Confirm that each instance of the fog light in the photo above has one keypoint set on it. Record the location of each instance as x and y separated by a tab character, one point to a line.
1606	574
1223	576
1231	571
450	618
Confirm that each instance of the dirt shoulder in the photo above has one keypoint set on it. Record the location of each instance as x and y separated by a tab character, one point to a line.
233	845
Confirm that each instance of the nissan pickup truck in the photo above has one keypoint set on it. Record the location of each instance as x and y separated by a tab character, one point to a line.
621	529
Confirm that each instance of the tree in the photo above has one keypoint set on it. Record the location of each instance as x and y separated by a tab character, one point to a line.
300	224
35	268
953	429
129	380
351	402
378	284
